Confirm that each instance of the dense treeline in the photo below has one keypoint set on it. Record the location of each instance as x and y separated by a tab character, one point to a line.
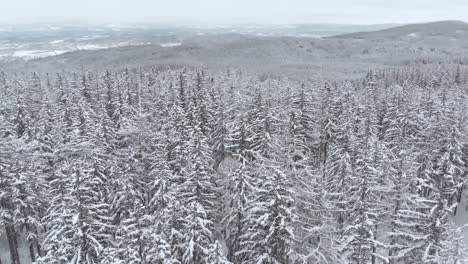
193	167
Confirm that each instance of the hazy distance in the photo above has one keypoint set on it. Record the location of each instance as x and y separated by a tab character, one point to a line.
232	11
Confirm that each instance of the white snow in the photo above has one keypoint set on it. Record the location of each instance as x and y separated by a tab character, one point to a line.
92	47
106	46
92	37
461	218
26	53
57	41
34	54
305	35
170	44
23	249
9	51
53	27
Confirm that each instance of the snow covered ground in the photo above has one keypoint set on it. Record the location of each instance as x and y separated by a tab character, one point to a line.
170	44
34	54
461	218
9	51
5	250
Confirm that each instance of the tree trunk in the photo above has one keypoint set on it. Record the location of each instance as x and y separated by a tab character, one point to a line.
38	246
374	248
31	251
13	245
10	244
459	197
31	243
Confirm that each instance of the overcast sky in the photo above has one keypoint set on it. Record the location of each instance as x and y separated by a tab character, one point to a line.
233	11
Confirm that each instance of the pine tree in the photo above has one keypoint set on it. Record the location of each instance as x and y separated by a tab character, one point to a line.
217	255
360	241
198	202
454	249
269	234
8	194
238	197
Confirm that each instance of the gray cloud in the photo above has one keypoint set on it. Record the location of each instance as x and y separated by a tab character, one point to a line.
233	11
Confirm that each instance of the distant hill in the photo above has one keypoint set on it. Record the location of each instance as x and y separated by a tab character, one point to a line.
343	56
448	29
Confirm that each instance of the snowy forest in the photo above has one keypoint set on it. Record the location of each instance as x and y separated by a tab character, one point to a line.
195	166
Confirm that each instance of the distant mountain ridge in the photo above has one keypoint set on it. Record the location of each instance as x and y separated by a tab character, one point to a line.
449	29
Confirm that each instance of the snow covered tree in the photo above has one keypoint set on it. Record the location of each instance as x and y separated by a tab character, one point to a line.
454	249
269	219
198	196
360	241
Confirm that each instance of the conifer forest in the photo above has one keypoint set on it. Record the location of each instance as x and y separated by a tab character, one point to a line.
202	166
233	132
